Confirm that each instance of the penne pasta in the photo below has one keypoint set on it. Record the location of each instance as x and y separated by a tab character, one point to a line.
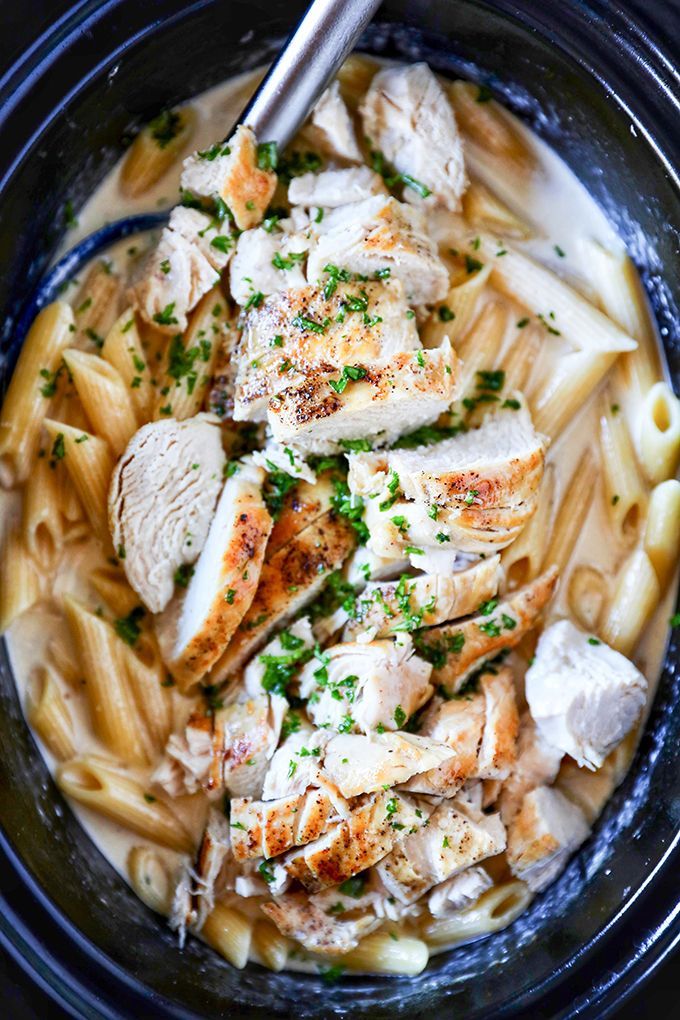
98	784
454	316
523	559
480	346
19	580
151	698
48	714
124	351
111	584
230	933
191	358
587	595
30	391
156	149
625	491
495	909
483	209
487	124
104	396
662	530
149	878
42	522
62	655
271	947
115	719
572	513
556	399
380	953
636	596
519	361
89	463
96	306
660	433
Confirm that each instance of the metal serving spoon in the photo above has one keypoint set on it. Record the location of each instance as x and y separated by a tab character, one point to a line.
313	53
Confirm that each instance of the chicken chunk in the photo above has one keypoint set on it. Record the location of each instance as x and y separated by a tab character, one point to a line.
423	601
293	576
498	750
359	764
266	263
354	844
537	764
379	234
245	736
317	335
160	506
208	874
291	647
195	629
296	765
452	841
458	892
543	835
214	241
332	124
333	188
266	828
303	505
362	686
407	116
458	649
459	724
232	175
298	916
584	696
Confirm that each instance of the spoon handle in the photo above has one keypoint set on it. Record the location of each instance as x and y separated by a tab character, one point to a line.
314	52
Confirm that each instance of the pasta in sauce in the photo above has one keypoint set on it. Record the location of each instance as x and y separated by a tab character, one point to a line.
340	524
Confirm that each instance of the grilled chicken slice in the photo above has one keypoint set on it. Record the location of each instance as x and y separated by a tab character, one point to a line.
584	696
387	397
459	724
332	125
358	764
245	736
303	505
363	686
302	334
537	764
195	629
355	843
266	263
424	601
543	835
298	916
407	116
333	188
188	763
208	875
458	649
453	840
296	765
266	828
364	565
458	892
498	750
231	174
274	457
161	501
377	234
293	576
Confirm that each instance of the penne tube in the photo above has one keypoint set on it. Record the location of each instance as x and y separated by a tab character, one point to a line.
30	391
230	933
380	953
112	586
115	718
483	209
19	580
495	909
636	596
572	513
487	124
89	463
272	948
191	358
660	433
124	351
556	400
355	76
157	148
523	559
62	655
149	878
153	701
42	520
96	306
454	316
480	346
587	595
48	715
98	784
519	361
625	491
662	530
104	396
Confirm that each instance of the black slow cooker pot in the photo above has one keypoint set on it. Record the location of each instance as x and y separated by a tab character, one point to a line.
598	89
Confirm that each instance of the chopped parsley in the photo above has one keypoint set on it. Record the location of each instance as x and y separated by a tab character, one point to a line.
127	627
354	886
445	314
399	716
349	373
166	126
183	575
267	155
304	323
472	265
166	317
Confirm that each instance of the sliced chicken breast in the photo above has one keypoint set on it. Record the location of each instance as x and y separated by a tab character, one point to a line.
266	263
262	828
363	764
298	916
296	765
584	696
303	505
162	497
378	234
245	736
459	724
498	749
458	649
423	601
333	188
215	241
452	841
332	124
407	116
291	646
208	875
231	174
537	764
543	835
458	892
195	629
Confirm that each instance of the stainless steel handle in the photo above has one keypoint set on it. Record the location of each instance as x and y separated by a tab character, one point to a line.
314	52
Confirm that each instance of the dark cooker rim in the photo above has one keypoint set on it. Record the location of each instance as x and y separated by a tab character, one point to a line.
37	934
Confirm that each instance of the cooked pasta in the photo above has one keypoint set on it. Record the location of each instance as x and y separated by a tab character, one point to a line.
42	522
49	716
381	953
104	396
149	878
662	529
155	149
494	910
19	579
230	933
559	396
88	460
96	305
271	947
572	514
124	351
660	433
636	596
456	314
625	491
522	561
